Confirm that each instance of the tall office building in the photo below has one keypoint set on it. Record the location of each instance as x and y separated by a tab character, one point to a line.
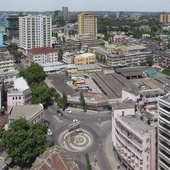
35	31
164	133
164	18
87	24
12	25
65	13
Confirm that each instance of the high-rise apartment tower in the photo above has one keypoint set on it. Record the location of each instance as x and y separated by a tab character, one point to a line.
65	13
35	31
87	24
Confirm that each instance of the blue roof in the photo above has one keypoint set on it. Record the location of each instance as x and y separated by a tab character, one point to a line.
2	45
153	73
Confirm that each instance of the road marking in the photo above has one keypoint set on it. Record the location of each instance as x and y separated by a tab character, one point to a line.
60	121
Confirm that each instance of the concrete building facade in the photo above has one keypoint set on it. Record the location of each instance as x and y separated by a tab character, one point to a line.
87	23
6	61
35	31
133	140
65	13
165	18
20	95
43	55
86	58
163	133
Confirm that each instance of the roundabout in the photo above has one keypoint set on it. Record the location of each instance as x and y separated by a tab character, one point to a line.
76	141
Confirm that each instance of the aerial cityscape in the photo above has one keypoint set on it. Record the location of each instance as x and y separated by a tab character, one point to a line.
85	85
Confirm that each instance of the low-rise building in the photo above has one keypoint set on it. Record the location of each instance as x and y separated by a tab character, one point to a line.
68	58
6	61
20	95
32	113
43	55
54	158
86	58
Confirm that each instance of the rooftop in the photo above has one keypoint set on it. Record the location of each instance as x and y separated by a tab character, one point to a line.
42	50
54	158
25	111
88	67
136	124
20	84
85	55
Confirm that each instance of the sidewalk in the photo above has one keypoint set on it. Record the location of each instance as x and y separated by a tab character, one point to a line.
88	112
109	152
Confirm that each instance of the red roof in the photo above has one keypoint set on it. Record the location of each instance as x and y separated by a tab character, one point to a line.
42	50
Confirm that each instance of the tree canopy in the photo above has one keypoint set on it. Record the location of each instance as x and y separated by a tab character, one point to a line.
82	102
150	61
40	93
24	142
64	101
33	74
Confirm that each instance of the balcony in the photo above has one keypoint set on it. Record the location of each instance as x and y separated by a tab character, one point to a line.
163	155
164	138
130	137
129	145
163	164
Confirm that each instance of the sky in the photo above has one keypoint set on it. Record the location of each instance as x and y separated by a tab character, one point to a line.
86	5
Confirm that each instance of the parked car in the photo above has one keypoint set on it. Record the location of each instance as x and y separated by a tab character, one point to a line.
68	110
49	132
75	120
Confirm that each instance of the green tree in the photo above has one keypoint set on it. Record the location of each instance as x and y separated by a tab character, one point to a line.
150	61
166	71
33	74
64	101
24	142
83	102
60	54
88	161
40	94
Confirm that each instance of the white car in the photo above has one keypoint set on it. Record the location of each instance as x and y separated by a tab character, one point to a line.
75	120
49	132
68	110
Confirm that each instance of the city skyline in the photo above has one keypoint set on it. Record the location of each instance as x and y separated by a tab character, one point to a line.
86	5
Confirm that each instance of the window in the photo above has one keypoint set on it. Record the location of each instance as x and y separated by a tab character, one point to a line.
20	97
13	98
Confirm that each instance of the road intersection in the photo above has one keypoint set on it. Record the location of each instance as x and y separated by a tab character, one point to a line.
98	126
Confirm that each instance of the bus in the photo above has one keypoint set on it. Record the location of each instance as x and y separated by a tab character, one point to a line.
82	85
83	90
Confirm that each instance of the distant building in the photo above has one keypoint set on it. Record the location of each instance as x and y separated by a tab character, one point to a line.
6	61
87	24
65	13
12	25
135	16
35	31
43	55
20	95
32	113
165	18
86	58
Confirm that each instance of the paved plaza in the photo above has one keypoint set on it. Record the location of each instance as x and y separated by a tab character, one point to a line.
76	141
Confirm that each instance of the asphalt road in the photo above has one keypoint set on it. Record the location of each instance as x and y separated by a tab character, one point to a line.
89	123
